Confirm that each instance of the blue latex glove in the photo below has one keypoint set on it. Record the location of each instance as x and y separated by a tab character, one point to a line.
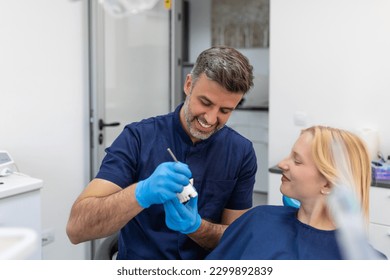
167	180
182	217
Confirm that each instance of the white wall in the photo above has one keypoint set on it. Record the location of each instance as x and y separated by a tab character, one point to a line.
43	107
331	60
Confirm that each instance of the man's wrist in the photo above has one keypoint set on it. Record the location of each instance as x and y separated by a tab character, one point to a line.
138	195
195	227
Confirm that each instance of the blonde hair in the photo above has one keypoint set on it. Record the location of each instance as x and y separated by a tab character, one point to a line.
332	145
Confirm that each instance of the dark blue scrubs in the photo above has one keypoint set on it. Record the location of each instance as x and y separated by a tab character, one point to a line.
223	168
274	233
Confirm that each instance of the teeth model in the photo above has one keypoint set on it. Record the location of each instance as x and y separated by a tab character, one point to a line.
188	192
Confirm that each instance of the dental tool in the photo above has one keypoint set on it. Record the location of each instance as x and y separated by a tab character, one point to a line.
189	190
381	158
347	213
351	234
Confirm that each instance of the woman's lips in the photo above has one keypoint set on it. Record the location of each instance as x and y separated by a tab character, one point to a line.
284	178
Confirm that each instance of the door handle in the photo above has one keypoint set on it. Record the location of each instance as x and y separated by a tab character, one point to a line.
102	124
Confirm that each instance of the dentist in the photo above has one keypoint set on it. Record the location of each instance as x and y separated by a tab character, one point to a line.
138	180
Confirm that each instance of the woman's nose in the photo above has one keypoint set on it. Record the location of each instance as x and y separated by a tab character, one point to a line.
283	164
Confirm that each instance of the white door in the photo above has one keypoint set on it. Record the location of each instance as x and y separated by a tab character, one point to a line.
133	66
130	71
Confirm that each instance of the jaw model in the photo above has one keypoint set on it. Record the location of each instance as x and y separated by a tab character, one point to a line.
188	192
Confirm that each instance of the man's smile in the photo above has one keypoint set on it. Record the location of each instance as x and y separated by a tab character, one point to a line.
205	125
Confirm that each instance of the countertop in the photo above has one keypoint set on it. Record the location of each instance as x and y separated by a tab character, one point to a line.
15	184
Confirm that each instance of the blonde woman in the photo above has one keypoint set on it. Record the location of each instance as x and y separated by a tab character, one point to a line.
322	160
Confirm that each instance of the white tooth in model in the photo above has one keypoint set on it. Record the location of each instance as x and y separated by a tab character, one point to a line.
188	192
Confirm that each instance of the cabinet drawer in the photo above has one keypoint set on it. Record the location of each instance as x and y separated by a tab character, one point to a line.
22	210
379	237
380	205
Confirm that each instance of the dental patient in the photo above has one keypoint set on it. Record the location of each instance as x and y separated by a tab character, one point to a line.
323	162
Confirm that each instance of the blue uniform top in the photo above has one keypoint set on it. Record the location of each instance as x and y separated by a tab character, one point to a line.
272	233
223	168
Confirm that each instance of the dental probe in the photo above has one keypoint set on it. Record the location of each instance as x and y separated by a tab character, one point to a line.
189	190
172	155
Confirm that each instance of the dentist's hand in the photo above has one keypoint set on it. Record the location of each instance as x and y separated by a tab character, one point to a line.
182	217
166	181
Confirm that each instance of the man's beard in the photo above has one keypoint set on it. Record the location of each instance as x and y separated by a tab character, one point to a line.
189	118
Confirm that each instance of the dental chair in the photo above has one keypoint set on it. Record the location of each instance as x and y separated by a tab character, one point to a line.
107	249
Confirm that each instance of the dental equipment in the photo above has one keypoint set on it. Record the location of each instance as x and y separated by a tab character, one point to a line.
381	157
189	190
351	234
347	214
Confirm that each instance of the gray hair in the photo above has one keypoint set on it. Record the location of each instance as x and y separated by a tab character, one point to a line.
226	66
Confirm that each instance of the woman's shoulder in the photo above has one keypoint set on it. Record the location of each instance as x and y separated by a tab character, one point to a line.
270	210
266	213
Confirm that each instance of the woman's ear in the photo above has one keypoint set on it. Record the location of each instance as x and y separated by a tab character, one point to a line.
325	190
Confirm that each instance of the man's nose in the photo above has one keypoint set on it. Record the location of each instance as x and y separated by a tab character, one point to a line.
211	117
